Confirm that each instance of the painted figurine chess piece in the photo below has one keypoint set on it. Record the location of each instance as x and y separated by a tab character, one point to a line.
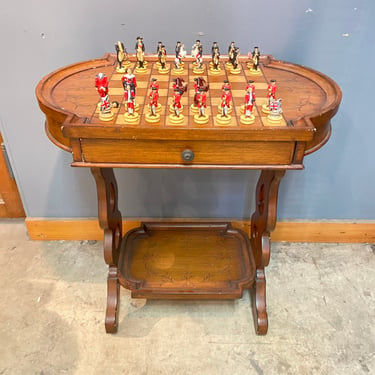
271	96
215	54
197	53
101	84
140	55
153	116
122	57
248	117
201	117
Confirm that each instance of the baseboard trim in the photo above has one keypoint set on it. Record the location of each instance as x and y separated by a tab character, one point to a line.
47	229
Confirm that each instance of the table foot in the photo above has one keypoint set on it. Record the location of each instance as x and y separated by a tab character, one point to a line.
258	297
113	301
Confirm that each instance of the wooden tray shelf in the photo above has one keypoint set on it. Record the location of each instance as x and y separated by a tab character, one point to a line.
186	260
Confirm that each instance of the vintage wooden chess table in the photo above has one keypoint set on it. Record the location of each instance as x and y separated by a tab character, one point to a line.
180	259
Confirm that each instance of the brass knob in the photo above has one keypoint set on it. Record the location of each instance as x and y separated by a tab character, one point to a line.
187	155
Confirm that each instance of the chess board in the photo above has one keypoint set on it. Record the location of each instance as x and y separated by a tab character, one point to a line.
214	79
70	101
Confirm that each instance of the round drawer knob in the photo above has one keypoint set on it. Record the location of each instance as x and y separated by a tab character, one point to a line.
187	155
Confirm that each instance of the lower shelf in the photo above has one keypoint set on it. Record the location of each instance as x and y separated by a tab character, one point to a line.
186	261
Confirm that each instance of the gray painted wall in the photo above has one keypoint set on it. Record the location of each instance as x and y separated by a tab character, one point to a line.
332	36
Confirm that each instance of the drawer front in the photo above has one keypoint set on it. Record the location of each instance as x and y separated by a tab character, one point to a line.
184	152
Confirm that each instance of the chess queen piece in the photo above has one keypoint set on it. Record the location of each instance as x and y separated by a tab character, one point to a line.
271	96
130	115
153	116
129	79
101	84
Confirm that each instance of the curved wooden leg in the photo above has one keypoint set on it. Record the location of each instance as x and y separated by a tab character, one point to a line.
111	222
113	300
263	222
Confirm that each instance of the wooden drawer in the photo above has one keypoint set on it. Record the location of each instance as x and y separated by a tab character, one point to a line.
170	152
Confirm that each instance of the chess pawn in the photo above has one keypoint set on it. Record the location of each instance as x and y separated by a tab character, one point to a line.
153	116
201	117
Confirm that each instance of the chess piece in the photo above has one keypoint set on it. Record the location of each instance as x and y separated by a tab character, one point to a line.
164	69
101	84
275	112
122	57
153	116
271	96
224	118
248	117
140	55
176	117
214	65
254	62
201	117
234	60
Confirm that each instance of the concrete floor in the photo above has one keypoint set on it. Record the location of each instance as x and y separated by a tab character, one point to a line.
321	304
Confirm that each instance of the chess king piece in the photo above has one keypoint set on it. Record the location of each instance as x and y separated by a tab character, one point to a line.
101	84
153	116
248	117
271	96
140	55
130	115
129	79
122	57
